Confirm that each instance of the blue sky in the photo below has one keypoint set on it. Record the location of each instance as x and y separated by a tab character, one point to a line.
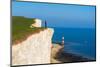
57	15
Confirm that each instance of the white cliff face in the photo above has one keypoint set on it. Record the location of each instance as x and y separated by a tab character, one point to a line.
36	49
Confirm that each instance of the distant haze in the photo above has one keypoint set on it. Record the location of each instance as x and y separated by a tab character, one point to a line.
57	15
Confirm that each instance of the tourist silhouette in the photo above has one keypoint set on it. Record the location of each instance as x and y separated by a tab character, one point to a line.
45	24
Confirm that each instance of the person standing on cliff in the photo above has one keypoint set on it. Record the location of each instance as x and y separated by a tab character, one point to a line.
45	24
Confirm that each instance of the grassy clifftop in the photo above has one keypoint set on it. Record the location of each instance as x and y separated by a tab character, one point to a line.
21	28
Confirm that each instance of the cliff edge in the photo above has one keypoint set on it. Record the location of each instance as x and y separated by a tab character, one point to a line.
36	49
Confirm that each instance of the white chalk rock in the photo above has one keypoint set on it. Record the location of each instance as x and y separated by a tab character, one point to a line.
36	49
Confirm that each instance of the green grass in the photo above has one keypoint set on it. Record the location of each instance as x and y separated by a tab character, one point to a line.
21	28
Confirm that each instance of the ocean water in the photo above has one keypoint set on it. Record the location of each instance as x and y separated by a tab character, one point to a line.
80	41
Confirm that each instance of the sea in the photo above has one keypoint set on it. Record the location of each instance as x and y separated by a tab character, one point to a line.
79	41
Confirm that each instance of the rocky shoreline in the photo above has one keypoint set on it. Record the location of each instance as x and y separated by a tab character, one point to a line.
59	56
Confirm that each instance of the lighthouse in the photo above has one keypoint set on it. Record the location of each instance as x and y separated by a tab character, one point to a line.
62	43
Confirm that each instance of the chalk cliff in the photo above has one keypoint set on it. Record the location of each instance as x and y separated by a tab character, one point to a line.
36	49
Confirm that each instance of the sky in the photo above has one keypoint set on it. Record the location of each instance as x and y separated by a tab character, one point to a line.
57	15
